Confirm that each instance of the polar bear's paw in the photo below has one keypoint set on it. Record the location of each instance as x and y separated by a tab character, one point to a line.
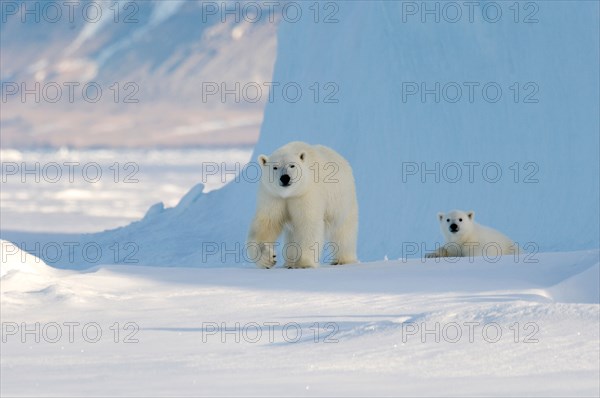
344	261
267	258
300	265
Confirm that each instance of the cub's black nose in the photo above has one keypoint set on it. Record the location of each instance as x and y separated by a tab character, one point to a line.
285	180
453	227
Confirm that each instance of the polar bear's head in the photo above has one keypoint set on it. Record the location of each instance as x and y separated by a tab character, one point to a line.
286	173
456	224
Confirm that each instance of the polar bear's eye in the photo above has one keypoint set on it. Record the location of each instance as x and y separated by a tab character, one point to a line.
292	166
274	167
447	219
460	219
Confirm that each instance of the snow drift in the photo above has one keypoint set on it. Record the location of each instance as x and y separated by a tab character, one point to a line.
21	272
374	348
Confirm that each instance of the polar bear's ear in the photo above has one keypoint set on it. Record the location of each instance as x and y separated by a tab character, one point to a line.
262	159
302	156
471	215
440	216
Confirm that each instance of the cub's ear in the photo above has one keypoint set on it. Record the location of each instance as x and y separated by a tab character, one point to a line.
471	214
302	156
440	216
262	160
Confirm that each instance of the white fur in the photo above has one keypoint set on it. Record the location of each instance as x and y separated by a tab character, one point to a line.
318	205
471	238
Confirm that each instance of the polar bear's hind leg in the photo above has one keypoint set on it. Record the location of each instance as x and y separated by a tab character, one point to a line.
343	239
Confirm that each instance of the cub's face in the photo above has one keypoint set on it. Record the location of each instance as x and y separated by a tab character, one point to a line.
285	173
456	224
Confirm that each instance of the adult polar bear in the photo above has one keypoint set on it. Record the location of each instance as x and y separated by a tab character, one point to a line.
309	191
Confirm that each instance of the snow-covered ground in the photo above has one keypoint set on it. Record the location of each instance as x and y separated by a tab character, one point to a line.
71	190
385	328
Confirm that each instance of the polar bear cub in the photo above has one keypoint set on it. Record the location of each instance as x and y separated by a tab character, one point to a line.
308	192
465	238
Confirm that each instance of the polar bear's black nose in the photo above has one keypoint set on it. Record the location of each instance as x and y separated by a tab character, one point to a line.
285	180
453	227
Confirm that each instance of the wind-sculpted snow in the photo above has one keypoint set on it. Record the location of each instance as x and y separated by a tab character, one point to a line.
386	328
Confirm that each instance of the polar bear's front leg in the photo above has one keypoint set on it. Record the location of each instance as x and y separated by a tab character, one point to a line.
305	236
451	249
303	246
440	252
265	228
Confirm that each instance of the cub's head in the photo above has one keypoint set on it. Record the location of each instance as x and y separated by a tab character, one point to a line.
456	224
286	173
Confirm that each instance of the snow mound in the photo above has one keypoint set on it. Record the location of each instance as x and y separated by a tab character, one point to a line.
580	288
16	260
25	273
